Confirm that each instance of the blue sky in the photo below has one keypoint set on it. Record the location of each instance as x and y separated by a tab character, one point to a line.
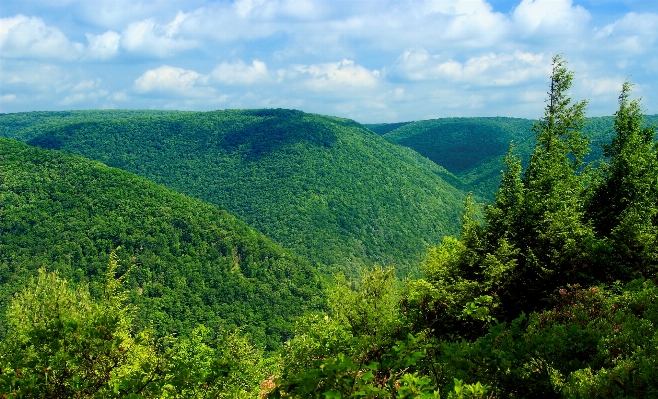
370	60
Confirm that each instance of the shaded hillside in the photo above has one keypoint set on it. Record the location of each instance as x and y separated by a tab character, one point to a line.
326	187
26	125
383	128
193	262
473	148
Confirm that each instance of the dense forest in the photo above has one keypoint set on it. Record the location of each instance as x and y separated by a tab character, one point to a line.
193	263
473	149
547	290
324	187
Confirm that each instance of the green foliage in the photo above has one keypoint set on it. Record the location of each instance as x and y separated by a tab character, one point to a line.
353	351
474	149
363	349
553	228
534	236
592	343
24	126
62	343
624	205
195	264
327	188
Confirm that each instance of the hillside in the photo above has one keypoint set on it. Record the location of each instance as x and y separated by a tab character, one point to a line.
325	187
192	262
473	148
26	125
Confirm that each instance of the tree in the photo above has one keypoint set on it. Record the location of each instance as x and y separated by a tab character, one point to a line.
60	343
533	238
63	344
624	205
548	227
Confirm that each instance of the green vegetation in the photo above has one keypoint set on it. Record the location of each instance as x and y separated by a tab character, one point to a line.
474	148
63	344
549	291
324	187
192	263
27	125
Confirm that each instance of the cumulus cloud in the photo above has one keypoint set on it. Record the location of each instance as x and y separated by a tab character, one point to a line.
240	73
168	79
150	38
606	86
35	77
270	9
103	46
86	85
23	37
116	14
549	17
337	75
473	23
487	70
634	33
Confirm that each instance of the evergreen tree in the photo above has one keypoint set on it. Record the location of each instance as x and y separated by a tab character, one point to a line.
624	206
544	211
534	237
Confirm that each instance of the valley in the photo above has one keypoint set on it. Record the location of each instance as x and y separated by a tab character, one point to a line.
228	251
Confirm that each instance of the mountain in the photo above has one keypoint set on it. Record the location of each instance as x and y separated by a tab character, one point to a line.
325	187
473	149
192	262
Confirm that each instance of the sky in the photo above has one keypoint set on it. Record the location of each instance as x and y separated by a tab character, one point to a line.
368	60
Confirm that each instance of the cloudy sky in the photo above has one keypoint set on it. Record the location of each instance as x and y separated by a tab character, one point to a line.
370	60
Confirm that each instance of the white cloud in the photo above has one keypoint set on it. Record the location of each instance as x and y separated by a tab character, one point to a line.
7	98
90	97
103	46
240	73
33	76
149	38
222	22
26	37
634	33
116	14
270	9
86	85
338	75
168	79
549	18
602	86
120	96
484	70
472	23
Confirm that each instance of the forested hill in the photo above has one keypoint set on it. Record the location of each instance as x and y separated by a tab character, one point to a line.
325	187
473	148
26	125
192	262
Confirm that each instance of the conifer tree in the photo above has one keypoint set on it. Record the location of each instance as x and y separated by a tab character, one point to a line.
624	206
534	237
545	214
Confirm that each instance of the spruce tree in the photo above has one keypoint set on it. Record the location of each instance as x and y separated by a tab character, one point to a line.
624	206
534	238
546	220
